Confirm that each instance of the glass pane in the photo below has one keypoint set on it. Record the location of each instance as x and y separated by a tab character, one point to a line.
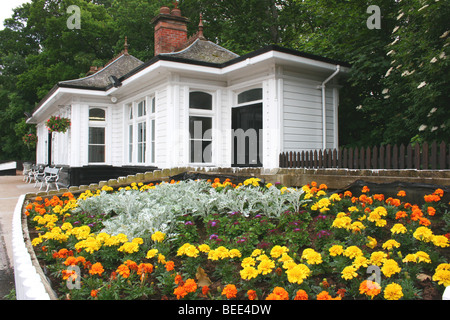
153	152
142	132
142	109
200	100
141	152
96	135
200	127
250	95
97	114
153	130
130	111
96	154
153	105
130	141
201	151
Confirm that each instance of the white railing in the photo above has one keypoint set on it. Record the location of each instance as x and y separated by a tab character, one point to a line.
28	283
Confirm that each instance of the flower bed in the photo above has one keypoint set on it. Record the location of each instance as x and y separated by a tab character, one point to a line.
215	240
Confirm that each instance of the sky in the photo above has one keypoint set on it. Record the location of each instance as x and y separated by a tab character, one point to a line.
6	9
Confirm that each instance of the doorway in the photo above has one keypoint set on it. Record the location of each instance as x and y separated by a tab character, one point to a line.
247	143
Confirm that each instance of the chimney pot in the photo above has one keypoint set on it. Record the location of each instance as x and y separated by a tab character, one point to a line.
164	10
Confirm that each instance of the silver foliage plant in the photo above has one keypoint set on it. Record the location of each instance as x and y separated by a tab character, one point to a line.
137	213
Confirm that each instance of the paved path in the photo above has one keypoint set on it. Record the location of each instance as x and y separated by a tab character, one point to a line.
11	187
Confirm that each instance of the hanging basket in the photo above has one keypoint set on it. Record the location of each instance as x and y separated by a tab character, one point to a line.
30	140
57	124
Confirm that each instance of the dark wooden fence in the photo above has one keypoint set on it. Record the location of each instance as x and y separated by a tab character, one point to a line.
424	157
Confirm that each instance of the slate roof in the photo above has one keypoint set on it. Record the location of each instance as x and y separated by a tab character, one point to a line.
204	51
118	67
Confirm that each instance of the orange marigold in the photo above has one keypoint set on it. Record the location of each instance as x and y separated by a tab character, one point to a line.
431	211
94	293
401	193
123	270
170	265
190	285
229	291
278	293
251	295
301	295
369	288
96	268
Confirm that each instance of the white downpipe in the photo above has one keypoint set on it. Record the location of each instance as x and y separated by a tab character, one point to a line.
324	107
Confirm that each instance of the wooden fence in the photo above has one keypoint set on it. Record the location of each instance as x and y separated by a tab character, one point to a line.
425	157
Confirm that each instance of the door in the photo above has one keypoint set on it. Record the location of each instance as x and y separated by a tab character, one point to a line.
247	136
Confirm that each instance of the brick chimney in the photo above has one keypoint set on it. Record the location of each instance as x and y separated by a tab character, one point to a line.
170	30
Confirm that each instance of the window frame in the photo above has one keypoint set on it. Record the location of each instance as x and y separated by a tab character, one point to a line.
201	113
141	148
97	124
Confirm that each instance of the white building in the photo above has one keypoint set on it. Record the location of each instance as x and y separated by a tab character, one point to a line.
194	104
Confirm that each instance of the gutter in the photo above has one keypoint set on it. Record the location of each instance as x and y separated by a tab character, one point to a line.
324	106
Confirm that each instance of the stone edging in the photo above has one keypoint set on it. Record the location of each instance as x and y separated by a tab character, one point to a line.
31	282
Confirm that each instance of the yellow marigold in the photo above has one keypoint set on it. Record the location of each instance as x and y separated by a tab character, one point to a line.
381	223
80	233
353	252
410	258
102	237
66	226
349	272
235	253
372	242
285	257
188	250
377	258
257	252
151	253
204	248
336	250
423	234
360	261
277	251
129	247
298	273
357	226
266	266
398	228
342	223
442	274
390	244
422	256
158	236
440	241
390	267
311	256
393	291
248	262
249	273
90	245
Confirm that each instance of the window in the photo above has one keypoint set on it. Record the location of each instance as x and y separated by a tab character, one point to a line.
97	114
200	127
142	142
200	100
141	131
97	137
96	145
201	139
250	95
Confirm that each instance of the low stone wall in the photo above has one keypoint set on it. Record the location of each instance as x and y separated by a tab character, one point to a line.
333	178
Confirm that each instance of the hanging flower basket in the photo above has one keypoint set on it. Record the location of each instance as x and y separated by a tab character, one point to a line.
30	140
57	124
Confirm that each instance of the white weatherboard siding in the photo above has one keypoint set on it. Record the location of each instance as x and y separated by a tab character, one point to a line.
302	116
